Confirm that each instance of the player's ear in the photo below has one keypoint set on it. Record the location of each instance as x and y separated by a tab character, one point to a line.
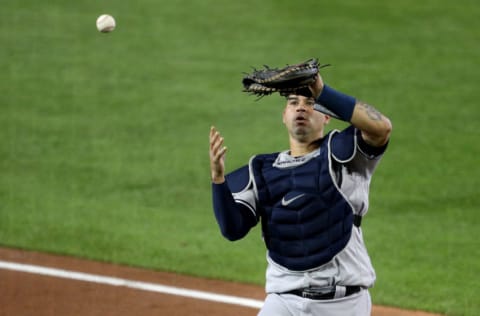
327	119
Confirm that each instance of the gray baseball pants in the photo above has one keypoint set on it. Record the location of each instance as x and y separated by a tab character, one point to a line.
358	304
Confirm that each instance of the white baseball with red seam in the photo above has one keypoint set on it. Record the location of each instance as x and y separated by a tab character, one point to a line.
105	23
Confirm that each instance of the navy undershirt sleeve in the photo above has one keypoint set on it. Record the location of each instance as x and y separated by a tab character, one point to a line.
235	220
369	149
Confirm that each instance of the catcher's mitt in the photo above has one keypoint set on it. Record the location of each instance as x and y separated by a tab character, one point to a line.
293	79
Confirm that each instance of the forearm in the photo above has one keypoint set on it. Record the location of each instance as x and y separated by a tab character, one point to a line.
234	220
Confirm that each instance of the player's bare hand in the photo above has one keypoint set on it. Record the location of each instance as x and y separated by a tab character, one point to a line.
217	156
317	86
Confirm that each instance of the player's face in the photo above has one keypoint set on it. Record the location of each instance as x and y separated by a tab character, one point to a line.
302	121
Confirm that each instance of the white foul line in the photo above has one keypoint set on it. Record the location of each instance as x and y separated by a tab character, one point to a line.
145	286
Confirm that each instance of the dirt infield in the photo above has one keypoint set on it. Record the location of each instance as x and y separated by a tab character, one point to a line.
23	293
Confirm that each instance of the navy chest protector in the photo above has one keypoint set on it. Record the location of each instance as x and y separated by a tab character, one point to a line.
305	219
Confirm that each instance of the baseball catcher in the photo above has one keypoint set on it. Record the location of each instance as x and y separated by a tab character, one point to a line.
309	199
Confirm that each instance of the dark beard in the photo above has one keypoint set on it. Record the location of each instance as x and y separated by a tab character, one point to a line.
300	133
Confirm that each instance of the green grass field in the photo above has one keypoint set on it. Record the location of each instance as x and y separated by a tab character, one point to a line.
104	150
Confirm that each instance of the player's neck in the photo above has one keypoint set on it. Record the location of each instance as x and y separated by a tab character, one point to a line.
298	149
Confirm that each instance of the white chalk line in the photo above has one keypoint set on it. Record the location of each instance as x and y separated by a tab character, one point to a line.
138	285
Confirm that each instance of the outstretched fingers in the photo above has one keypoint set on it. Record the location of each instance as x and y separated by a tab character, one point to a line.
217	156
217	150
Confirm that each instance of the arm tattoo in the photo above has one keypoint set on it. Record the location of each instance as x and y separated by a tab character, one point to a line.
372	112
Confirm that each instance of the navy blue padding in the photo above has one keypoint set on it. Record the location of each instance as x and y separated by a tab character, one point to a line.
343	144
305	220
257	165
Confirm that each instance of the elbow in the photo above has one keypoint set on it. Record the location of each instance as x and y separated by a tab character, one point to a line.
231	229
379	135
231	238
385	130
232	235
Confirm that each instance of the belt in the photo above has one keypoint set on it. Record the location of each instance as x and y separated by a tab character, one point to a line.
325	293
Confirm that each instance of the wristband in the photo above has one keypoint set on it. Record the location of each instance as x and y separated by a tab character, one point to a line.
340	104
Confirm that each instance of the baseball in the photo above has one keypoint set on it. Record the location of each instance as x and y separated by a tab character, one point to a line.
105	23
